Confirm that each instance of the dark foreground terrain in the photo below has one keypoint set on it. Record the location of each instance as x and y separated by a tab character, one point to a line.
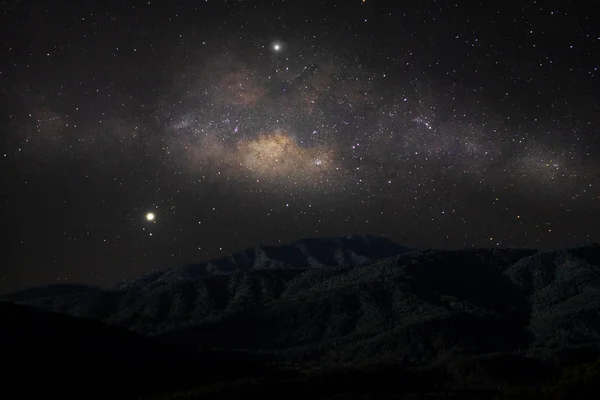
356	317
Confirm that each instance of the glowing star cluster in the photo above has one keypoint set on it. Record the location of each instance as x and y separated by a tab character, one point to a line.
277	155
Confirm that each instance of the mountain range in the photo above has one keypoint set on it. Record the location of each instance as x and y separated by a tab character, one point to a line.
460	320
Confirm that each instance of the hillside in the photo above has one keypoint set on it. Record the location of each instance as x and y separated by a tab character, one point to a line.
45	353
510	315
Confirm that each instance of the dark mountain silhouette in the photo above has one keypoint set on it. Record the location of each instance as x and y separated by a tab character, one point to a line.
365	306
89	359
48	291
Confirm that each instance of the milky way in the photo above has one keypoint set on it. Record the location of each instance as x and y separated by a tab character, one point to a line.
308	125
237	124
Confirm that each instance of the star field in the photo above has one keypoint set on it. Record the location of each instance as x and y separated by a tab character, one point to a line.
144	136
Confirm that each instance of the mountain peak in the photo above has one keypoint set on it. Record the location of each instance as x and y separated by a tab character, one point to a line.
302	254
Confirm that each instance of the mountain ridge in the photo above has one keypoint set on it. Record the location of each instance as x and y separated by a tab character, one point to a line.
319	304
330	251
106	360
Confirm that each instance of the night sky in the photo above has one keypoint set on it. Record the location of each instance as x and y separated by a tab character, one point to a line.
139	136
